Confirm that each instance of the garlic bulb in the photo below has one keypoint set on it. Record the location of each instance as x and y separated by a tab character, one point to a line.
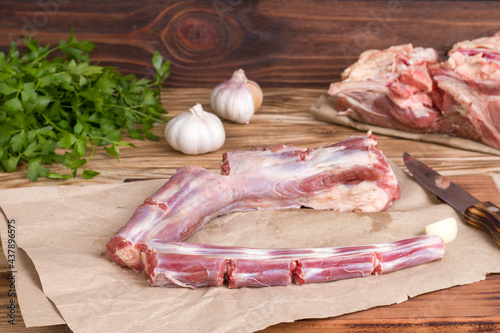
195	132
237	99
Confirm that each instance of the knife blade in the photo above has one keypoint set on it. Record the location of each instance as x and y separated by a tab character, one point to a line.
483	215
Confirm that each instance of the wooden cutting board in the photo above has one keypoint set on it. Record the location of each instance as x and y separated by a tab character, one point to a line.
285	118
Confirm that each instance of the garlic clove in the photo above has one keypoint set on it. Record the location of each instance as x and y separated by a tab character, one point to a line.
256	92
447	229
195	132
237	99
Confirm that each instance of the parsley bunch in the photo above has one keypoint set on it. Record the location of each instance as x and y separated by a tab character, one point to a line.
58	110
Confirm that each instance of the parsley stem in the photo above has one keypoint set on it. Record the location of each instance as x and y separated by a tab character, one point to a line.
92	147
132	108
101	138
52	124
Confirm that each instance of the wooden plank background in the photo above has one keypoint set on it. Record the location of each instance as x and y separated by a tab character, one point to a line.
279	43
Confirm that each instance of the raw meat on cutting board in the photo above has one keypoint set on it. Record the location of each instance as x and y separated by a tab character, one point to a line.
469	83
390	88
410	89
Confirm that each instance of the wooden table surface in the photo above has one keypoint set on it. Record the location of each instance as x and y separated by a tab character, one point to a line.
284	118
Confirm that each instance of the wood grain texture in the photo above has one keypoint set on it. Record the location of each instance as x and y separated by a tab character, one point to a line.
284	117
279	43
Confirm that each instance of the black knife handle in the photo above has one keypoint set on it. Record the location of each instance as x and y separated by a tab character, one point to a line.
485	216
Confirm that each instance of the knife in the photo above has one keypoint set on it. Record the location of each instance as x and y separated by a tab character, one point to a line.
483	215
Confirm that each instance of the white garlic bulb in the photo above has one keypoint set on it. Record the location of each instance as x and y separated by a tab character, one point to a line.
237	99
195	132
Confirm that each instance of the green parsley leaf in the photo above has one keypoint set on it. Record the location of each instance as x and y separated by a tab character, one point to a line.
56	175
36	169
10	163
13	105
6	89
89	174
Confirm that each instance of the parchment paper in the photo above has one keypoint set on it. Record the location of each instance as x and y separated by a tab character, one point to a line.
64	229
325	110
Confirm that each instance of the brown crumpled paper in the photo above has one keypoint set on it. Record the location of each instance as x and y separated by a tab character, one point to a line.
64	229
325	110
